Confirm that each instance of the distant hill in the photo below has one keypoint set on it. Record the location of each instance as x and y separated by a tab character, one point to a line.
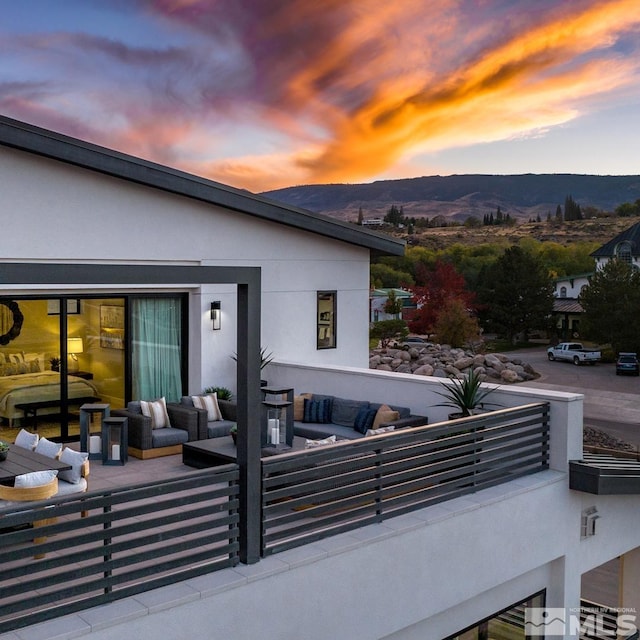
459	196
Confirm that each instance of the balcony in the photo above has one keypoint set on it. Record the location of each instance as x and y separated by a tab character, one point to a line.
138	536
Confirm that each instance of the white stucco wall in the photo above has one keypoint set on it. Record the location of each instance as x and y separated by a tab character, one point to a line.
52	211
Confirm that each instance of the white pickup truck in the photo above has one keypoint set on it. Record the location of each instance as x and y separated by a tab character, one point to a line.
573	352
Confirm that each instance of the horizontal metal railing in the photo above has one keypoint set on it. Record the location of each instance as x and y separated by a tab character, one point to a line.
310	494
100	546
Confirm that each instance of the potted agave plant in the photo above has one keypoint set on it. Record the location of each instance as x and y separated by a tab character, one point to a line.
466	395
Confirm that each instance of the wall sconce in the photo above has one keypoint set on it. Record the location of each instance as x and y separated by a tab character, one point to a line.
74	346
588	522
216	314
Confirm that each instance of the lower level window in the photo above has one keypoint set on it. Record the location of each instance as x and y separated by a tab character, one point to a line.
505	625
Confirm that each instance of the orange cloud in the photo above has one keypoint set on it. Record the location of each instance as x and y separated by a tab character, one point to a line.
536	79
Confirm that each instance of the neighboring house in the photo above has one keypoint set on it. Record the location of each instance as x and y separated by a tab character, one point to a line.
130	257
378	299
625	246
566	307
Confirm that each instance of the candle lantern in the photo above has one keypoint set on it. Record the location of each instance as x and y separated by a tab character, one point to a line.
114	441
277	417
91	418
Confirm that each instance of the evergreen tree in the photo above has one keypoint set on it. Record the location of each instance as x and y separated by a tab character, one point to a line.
611	304
517	293
360	216
558	213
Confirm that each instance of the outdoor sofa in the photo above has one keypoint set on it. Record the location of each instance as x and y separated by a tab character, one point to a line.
326	416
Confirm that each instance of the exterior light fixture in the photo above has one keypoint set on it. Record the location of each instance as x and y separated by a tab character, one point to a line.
588	522
216	315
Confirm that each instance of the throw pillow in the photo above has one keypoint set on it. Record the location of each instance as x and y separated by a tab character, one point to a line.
76	459
385	414
26	440
309	444
210	403
48	448
298	406
364	419
375	432
35	478
157	411
318	411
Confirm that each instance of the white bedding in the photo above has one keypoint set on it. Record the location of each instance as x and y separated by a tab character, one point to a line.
36	387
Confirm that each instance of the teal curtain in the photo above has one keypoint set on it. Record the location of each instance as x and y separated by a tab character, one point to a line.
156	350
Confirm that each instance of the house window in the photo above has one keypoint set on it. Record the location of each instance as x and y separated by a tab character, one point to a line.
623	252
513	623
326	320
563	292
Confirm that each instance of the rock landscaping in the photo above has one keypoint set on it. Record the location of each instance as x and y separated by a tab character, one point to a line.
443	361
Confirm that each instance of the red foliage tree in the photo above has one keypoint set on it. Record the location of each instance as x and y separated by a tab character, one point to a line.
434	288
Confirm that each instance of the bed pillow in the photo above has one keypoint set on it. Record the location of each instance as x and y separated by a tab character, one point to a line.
157	411
35	479
26	439
15	358
210	404
48	448
76	459
35	361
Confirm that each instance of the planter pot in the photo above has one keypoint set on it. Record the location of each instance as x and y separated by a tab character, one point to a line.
3	455
234	436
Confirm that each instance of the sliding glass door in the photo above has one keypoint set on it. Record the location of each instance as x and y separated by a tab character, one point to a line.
58	353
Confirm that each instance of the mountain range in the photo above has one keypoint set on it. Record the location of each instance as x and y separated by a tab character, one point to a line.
457	197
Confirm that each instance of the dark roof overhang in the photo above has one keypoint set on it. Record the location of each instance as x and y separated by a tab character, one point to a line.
32	139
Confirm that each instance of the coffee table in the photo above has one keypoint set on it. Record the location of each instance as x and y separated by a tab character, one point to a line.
216	451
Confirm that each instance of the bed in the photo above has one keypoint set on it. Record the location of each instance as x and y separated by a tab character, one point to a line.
38	386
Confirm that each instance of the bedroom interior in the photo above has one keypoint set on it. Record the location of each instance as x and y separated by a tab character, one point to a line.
51	358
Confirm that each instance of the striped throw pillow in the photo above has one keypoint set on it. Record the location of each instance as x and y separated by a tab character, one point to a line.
210	403
157	411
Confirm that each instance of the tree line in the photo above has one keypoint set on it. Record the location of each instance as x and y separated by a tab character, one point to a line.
571	211
462	292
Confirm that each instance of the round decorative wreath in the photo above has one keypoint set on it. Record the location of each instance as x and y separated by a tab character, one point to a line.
18	319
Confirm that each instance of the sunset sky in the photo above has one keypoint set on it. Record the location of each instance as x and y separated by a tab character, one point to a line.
263	94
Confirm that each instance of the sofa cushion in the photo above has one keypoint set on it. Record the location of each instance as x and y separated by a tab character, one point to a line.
298	405
157	411
76	459
405	412
35	478
345	411
219	428
210	403
48	448
318	411
314	431
383	415
168	437
26	439
364	419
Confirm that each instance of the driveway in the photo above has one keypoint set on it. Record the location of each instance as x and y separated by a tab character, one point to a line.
611	402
